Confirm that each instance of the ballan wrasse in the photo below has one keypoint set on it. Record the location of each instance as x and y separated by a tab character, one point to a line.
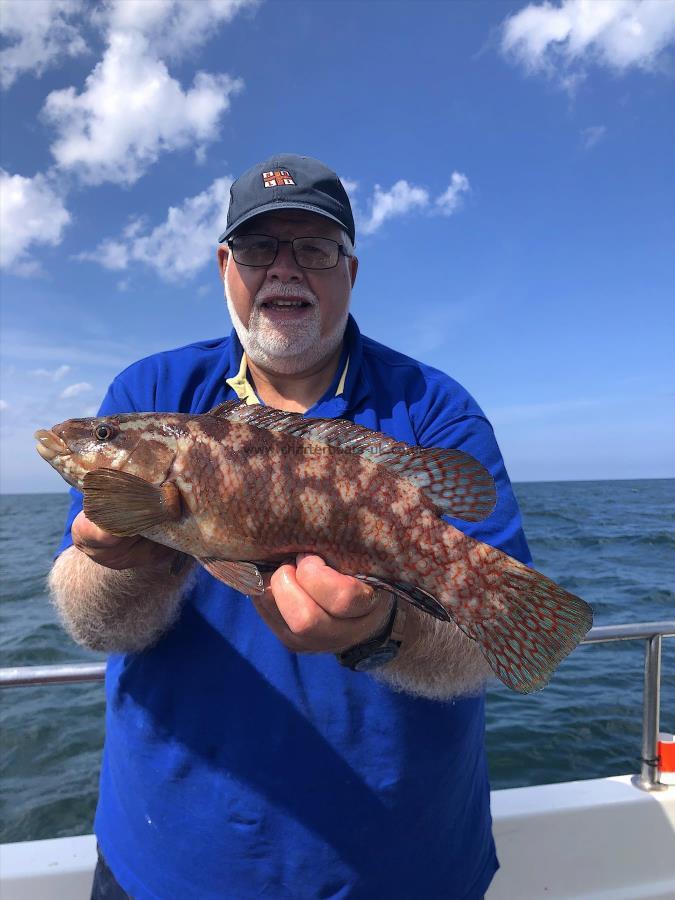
244	488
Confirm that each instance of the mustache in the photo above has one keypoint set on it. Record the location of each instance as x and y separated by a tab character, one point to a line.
293	292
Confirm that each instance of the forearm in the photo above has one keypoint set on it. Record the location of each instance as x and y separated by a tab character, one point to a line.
116	610
436	661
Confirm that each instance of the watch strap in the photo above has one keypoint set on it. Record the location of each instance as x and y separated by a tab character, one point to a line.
382	647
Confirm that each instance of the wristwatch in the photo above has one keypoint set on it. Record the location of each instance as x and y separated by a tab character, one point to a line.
381	648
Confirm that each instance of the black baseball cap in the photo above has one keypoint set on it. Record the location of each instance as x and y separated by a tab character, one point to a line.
288	181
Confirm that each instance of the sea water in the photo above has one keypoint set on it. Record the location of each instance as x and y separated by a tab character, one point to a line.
610	542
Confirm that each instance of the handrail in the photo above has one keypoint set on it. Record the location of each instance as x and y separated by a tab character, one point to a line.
650	632
58	673
604	633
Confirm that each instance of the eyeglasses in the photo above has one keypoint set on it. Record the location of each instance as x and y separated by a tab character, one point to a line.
308	252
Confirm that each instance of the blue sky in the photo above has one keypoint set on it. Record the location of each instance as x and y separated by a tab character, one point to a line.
511	166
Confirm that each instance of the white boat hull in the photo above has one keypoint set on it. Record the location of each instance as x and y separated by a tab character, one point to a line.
600	839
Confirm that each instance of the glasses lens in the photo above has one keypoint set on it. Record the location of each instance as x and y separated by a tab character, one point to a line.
254	249
315	252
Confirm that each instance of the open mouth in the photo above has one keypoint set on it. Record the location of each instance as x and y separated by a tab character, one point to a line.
278	303
49	445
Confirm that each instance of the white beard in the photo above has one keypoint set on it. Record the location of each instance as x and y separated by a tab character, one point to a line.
291	350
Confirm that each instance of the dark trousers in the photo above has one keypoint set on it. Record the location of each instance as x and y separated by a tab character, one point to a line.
105	886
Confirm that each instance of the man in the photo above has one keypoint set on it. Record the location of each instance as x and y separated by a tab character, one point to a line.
242	759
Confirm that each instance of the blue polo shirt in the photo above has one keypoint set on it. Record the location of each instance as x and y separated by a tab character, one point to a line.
236	769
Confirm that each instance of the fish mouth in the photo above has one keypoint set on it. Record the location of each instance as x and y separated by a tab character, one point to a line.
49	445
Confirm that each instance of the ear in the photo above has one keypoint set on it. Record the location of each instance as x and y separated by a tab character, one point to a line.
353	268
223	254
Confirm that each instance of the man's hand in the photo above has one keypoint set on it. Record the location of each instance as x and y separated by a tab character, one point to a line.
312	608
116	552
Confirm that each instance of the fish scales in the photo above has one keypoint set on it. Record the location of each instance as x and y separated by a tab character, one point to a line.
305	507
243	486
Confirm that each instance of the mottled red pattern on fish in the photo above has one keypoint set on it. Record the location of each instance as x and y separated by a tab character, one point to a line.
258	485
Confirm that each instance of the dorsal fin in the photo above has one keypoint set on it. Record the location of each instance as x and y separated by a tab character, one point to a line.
223	409
456	483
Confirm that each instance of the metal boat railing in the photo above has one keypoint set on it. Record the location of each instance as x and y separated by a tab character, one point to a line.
651	633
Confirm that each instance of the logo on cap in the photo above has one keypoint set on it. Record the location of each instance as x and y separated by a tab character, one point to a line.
276	178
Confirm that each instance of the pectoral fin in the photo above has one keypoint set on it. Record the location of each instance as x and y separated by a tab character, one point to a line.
242	576
125	504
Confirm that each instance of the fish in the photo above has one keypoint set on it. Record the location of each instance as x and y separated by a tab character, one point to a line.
243	489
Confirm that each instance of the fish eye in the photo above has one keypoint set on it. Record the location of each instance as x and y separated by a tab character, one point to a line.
104	432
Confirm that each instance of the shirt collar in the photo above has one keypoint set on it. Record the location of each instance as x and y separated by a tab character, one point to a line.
240	383
349	384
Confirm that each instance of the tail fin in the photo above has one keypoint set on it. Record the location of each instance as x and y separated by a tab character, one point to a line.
538	625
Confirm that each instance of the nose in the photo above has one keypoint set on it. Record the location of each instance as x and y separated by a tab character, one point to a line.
284	268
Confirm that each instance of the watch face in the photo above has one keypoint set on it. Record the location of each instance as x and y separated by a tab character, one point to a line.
377	658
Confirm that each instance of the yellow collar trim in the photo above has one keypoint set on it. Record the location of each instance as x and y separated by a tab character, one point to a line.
343	378
242	387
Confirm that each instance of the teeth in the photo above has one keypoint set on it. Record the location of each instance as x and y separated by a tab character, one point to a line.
286	303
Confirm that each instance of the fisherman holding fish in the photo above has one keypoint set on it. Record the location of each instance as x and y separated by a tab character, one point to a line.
300	712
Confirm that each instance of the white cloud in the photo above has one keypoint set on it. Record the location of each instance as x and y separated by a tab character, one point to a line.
179	246
350	186
403	198
131	108
592	135
39	34
4	405
130	111
31	212
400	199
450	201
561	38
173	27
110	254
54	374
184	243
74	390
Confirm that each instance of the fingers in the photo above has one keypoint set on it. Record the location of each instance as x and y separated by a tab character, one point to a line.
87	534
294	606
268	611
339	595
116	552
298	608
